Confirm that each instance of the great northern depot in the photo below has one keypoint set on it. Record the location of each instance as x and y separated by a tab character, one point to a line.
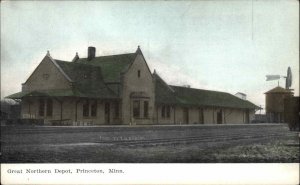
120	89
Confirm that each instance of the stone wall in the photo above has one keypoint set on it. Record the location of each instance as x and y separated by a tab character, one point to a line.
229	115
134	84
158	118
208	116
69	114
46	77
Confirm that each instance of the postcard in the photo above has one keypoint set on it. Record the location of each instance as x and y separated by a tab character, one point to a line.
150	92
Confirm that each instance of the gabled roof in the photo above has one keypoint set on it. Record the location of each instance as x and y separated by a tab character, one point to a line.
55	64
278	89
112	66
164	94
176	95
87	79
58	67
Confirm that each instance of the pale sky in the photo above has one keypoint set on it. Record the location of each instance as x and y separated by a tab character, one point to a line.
216	45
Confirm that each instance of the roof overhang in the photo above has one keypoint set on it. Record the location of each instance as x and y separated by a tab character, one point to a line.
57	93
42	93
21	95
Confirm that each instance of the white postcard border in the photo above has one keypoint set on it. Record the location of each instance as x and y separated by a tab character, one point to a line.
216	173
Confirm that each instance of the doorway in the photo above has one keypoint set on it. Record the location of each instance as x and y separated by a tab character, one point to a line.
201	116
185	116
107	113
247	116
219	117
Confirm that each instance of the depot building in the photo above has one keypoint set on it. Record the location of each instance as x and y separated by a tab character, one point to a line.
120	89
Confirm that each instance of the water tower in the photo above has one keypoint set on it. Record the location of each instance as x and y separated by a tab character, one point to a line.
276	96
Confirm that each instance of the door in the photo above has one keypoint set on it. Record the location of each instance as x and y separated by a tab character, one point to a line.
219	117
247	116
201	117
185	116
107	113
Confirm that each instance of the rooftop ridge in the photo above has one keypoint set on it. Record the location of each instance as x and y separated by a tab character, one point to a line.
77	63
58	60
177	86
213	91
110	55
278	89
58	67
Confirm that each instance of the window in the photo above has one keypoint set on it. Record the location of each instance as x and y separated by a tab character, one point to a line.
41	107
146	104
49	107
117	113
45	76
85	109
136	109
139	73
94	109
165	111
168	111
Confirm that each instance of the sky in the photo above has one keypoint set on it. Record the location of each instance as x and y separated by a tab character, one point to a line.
216	45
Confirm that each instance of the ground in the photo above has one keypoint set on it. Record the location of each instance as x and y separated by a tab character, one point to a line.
196	144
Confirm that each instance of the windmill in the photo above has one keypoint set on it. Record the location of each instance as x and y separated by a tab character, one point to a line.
288	78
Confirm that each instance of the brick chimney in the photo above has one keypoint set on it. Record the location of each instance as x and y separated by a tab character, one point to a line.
91	53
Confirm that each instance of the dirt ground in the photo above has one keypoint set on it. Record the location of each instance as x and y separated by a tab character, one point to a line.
31	149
